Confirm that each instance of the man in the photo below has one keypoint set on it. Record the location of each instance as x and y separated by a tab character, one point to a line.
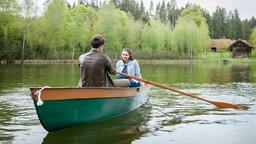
95	66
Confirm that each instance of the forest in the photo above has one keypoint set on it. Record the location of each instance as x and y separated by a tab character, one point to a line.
60	30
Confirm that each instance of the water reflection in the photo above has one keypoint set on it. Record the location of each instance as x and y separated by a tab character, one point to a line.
241	73
119	130
200	73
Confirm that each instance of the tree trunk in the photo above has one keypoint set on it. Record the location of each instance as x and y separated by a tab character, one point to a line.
23	48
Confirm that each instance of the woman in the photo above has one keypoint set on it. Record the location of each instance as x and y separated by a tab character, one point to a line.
130	66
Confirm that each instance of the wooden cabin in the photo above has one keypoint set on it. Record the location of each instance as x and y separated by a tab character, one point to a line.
239	48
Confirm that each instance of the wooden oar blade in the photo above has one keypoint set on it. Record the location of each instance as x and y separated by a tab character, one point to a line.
228	105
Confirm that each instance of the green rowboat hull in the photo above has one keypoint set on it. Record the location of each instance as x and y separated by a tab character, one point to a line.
63	113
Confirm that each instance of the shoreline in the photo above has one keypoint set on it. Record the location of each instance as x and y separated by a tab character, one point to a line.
184	61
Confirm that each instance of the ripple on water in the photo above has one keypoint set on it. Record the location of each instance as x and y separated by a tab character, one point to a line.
171	117
17	113
171	112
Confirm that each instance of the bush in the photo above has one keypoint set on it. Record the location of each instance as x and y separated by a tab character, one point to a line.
253	54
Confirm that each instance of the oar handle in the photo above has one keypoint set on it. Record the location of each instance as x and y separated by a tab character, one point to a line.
160	85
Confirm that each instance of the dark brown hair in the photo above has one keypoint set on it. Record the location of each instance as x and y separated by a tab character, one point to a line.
97	41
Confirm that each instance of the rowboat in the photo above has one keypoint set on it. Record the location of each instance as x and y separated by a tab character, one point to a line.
59	108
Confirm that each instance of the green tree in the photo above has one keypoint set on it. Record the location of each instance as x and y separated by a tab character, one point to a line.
219	23
156	41
253	42
246	29
80	29
208	18
229	33
9	13
55	21
237	25
134	35
191	34
111	22
172	12
162	12
28	11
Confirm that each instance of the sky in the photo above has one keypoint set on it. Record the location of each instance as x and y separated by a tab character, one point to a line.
246	8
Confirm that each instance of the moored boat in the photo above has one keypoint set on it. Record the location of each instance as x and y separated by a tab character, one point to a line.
58	108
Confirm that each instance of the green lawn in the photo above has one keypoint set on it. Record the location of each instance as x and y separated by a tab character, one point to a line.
215	56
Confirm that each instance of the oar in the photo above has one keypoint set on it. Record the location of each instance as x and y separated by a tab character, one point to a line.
217	104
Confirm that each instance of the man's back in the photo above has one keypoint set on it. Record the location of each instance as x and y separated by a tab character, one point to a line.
94	69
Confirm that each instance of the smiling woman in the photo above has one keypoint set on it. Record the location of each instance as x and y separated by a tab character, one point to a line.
129	65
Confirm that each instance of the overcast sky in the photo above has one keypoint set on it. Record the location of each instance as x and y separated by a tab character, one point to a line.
246	8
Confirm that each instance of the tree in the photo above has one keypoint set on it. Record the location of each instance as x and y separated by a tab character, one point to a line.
80	32
253	38
253	42
55	20
219	22
229	33
208	18
151	9
162	12
111	22
246	29
172	12
191	34
237	25
28	11
9	11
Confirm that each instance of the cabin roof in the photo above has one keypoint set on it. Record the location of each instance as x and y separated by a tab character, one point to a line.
242	41
224	43
227	43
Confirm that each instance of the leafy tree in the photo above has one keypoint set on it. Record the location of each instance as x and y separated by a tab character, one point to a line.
253	42
28	11
191	35
80	32
110	23
9	11
253	38
156	40
209	22
55	20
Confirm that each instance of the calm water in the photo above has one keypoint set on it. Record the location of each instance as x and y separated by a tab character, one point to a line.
167	117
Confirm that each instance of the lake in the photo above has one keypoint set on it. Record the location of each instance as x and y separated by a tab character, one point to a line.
168	117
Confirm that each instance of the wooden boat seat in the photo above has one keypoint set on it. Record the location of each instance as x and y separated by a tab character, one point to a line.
121	82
